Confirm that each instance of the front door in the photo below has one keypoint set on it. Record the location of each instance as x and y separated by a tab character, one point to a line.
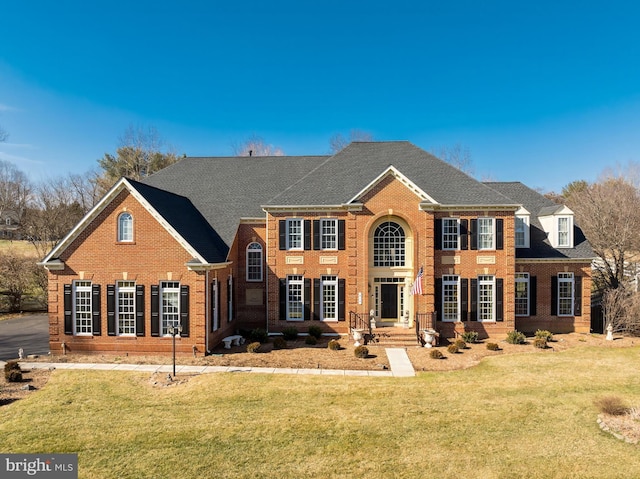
389	298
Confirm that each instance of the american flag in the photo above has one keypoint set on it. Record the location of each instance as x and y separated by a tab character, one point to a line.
417	284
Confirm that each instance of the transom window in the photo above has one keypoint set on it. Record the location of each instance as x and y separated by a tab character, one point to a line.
329	233
125	228
126	295
329	299
170	291
565	294
450	233
486	233
486	298
450	298
294	233
254	262
522	294
295	298
82	307
389	245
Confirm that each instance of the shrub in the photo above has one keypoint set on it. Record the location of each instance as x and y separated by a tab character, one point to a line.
516	337
310	340
546	335
436	354
315	331
253	347
12	371
612	405
259	335
279	343
460	343
470	336
540	342
453	348
290	333
334	345
493	346
361	352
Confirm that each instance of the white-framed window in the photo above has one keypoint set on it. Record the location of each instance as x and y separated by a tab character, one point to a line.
486	298
451	298
8	221
329	298
125	228
254	262
126	307
295	233
328	233
450	233
82	308
565	294
522	294
564	232
389	245
295	298
522	231
486	233
170	297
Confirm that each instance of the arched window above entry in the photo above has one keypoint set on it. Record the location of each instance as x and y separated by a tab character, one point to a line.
125	228
254	262
389	245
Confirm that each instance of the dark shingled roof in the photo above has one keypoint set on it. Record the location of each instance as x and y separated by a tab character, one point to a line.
539	205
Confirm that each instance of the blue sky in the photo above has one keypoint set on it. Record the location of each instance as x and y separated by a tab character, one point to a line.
543	92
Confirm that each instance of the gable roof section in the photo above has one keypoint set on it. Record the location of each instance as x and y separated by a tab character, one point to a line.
175	213
538	205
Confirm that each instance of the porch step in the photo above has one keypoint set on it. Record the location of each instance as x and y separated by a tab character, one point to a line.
395	337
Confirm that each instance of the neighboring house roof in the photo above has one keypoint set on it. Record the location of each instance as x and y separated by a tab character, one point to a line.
538	205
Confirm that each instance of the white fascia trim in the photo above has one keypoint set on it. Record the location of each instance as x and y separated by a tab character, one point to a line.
311	208
562	210
52	265
438	207
522	211
553	260
248	221
391	170
193	266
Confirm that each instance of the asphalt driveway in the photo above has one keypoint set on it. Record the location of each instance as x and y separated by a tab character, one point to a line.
29	332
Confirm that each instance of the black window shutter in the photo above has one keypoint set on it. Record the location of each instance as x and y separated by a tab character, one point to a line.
283	299
499	233
139	310
282	234
464	299
111	309
554	295
96	318
473	234
316	298
533	295
184	310
234	302
307	299
307	234
464	234
341	235
155	310
438	299
341	296
316	234
499	299
437	233
474	300
577	296
68	309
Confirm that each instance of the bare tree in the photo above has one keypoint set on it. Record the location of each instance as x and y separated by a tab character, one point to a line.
17	273
621	308
459	156
255	146
15	189
338	142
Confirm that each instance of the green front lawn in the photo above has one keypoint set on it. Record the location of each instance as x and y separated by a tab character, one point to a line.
517	416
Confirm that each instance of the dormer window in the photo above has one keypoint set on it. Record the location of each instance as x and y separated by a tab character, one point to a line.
564	232
125	228
522	228
557	222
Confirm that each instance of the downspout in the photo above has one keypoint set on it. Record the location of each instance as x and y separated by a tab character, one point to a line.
266	276
207	312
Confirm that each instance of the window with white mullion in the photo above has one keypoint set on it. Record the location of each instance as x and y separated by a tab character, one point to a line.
450	234
126	295
486	234
82	308
486	298
564	238
329	299
522	294
295	298
329	233
389	245
254	262
170	294
294	233
450	298
565	294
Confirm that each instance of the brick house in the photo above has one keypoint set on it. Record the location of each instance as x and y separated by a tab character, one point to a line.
219	245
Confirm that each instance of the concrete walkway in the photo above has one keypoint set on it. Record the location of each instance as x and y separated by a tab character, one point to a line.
398	359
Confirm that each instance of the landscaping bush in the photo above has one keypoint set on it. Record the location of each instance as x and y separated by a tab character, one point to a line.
540	342
493	346
259	335
253	347
361	352
436	354
12	371
516	337
453	348
461	344
315	331
279	343
546	335
334	345
470	336
310	340
612	405
290	333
